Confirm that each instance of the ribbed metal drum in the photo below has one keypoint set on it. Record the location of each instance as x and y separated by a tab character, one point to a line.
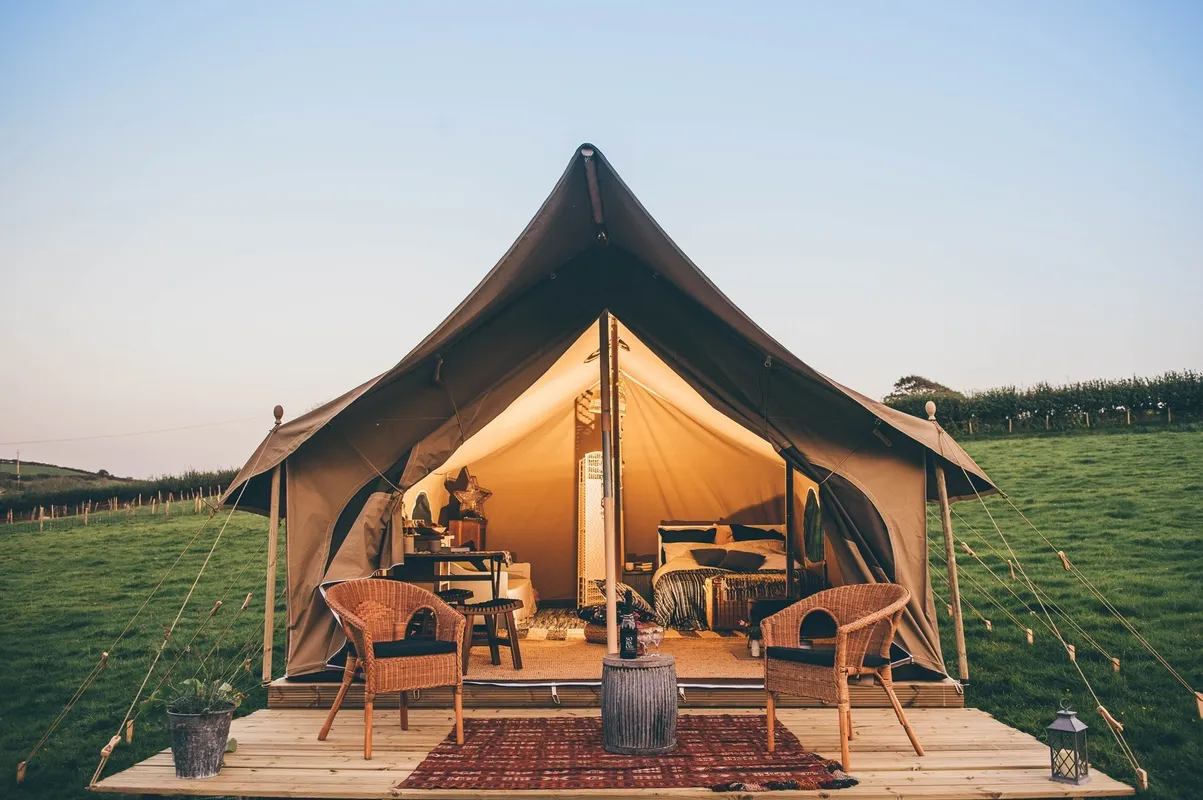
639	704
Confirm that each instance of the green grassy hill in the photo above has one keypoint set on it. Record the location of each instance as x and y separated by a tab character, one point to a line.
1127	508
34	469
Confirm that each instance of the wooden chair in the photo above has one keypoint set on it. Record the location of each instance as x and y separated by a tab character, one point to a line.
375	614
865	617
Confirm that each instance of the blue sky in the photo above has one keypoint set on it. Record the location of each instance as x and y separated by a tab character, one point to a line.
206	209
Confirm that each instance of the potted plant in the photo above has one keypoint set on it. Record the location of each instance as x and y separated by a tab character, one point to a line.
752	629
199	713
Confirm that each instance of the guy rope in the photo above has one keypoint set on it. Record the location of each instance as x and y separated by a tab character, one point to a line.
1116	730
107	751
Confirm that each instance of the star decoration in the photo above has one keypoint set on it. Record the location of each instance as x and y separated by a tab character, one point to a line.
472	498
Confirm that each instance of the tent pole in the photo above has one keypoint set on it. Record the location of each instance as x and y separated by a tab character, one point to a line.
950	552
616	445
790	538
273	536
603	331
269	602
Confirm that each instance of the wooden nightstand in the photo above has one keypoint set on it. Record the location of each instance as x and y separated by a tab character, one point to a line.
640	581
464	531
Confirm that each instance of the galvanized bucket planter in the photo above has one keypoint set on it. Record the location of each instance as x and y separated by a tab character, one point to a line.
198	742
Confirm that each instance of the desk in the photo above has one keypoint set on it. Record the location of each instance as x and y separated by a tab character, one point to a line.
424	567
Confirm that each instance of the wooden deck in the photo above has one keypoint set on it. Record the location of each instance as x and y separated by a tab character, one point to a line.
707	693
969	755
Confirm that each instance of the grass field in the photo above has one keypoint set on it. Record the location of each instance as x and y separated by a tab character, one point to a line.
1127	508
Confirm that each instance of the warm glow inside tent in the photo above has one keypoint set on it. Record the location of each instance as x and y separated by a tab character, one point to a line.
681	461
713	413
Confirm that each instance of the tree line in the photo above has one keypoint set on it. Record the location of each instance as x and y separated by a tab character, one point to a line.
1172	397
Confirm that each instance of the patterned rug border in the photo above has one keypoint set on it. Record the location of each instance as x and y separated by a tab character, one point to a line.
723	752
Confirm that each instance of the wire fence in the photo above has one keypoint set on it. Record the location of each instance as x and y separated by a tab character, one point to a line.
200	501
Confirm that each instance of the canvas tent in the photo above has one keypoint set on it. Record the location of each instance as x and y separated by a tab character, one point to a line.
590	248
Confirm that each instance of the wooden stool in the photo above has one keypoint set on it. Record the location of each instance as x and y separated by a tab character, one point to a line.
490	611
454	597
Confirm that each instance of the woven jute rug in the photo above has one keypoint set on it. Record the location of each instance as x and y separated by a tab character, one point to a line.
721	752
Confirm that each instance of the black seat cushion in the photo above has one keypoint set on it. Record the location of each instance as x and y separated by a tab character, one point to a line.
407	648
816	657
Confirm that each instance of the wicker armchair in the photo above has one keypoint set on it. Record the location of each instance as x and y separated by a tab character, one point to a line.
865	618
375	614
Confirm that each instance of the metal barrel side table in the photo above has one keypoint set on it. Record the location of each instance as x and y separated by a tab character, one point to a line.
639	704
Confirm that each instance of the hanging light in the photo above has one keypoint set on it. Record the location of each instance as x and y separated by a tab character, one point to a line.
1067	747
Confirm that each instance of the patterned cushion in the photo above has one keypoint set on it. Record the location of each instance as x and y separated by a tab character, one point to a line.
620	592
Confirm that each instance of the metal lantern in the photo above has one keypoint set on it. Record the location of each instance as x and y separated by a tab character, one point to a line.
1067	747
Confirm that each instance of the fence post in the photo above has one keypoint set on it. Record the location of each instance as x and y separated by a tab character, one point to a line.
85	514
41	518
1087	419
1169	415
1129	416
1010	425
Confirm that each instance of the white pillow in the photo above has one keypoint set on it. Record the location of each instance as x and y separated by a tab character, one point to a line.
675	550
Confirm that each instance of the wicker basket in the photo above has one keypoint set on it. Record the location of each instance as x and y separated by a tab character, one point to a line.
595	633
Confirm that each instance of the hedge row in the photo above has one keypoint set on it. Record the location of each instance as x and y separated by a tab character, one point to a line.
125	491
1174	395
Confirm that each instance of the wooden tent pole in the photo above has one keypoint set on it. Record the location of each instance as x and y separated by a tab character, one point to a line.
616	445
790	525
273	536
603	330
951	554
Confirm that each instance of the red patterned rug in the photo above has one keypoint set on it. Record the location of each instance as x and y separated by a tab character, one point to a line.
722	752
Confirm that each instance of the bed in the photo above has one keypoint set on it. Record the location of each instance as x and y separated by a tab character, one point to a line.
708	572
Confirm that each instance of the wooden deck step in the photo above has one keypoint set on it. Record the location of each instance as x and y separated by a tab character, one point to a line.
719	693
969	755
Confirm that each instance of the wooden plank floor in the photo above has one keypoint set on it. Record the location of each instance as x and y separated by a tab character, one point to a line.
969	755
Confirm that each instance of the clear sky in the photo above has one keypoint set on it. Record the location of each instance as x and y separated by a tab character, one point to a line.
210	208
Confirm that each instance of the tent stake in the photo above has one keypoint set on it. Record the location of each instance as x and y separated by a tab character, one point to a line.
273	535
950	551
611	557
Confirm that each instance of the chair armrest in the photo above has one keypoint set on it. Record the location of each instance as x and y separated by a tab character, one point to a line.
358	632
448	623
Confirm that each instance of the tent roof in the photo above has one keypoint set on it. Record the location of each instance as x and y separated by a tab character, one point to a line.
589	209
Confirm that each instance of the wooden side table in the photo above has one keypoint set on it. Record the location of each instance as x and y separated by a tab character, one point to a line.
464	531
639	704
